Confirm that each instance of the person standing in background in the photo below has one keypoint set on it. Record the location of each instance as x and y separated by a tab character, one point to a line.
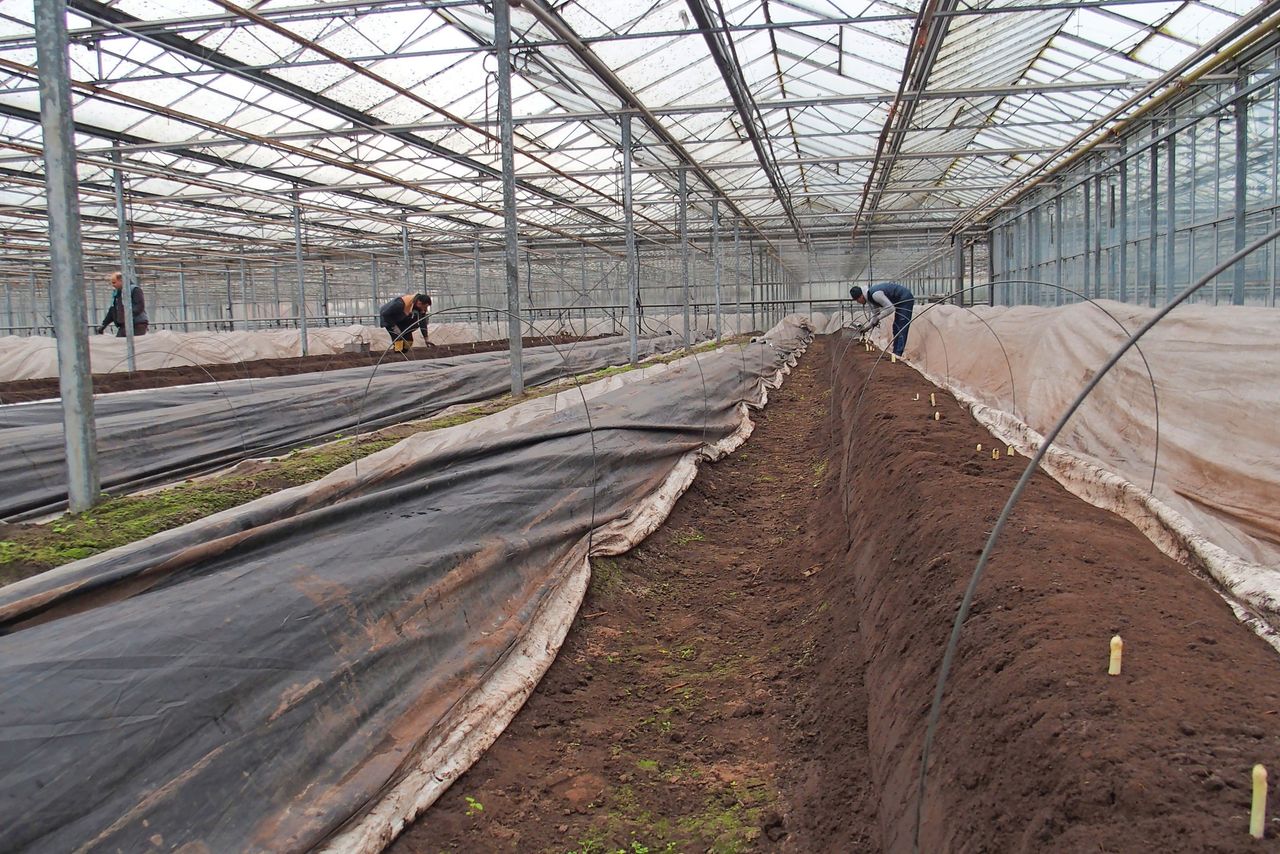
115	314
884	299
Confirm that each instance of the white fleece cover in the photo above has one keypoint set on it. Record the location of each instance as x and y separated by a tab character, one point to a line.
1216	501
23	358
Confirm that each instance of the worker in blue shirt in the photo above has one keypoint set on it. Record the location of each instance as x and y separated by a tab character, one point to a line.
882	300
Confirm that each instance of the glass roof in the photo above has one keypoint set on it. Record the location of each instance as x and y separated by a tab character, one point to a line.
818	120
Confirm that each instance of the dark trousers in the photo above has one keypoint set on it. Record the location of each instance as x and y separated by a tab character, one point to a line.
138	329
396	334
901	322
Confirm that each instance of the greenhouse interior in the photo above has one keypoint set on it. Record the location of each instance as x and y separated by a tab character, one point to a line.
590	427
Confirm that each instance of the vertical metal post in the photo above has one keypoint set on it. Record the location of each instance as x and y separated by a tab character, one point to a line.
405	261
182	297
479	315
33	302
1242	160
126	263
1056	234
957	243
528	276
301	312
751	253
1152	214
324	291
1275	189
633	284
1033	243
1086	245
683	214
586	299
1122	286
1097	236
374	302
1170	220
715	260
502	42
275	292
65	260
231	313
244	294
991	267
737	280
8	309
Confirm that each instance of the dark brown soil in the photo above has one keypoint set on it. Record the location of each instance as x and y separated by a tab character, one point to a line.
757	675
1038	749
669	721
17	391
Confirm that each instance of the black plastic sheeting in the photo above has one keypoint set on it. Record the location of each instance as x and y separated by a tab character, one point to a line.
255	680
166	434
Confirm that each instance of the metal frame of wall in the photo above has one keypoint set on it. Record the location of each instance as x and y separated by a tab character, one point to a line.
1138	222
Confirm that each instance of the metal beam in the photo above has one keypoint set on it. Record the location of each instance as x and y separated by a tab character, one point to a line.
126	270
683	213
926	41
557	25
502	42
633	268
725	58
75	381
301	312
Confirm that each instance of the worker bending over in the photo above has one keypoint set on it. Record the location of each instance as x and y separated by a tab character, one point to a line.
115	314
882	300
404	314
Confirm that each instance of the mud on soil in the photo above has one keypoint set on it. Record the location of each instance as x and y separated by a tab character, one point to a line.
757	675
18	391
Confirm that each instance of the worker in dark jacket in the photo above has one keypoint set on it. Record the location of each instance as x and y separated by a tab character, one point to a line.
882	300
115	314
404	314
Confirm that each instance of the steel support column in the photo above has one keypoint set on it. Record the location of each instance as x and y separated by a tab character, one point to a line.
1170	222
126	263
65	258
1097	237
374	302
182	297
502	43
1153	210
301	311
737	279
1242	161
1057	247
231	313
324	292
1086	244
479	314
683	204
586	290
957	243
633	283
715	260
1122	283
406	261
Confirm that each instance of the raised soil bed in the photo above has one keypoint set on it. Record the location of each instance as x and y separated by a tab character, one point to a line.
756	676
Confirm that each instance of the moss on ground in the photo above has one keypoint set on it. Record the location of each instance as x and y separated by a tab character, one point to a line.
28	549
